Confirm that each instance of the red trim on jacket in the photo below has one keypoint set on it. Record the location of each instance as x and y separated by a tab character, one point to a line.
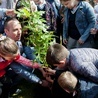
3	65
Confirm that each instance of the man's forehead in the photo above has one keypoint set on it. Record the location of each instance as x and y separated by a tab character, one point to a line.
13	22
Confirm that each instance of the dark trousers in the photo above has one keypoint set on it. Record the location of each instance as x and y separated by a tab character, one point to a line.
10	81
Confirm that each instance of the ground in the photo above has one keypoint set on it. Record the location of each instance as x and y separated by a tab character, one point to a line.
32	90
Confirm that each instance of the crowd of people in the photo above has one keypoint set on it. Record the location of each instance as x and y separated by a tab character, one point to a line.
72	58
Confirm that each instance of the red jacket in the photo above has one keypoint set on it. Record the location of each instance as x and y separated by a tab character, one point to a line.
3	65
19	59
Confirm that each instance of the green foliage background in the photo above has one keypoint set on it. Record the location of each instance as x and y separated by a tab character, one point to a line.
38	34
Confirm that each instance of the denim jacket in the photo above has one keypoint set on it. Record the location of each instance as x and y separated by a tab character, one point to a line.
85	20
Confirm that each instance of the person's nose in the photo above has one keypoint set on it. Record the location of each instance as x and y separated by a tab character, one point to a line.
19	31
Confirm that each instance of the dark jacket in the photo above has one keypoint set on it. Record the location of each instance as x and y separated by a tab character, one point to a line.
57	91
24	72
88	89
84	61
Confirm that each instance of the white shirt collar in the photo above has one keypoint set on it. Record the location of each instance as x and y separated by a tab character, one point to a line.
74	9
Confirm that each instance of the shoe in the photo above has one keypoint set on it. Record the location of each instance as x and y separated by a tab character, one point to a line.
18	91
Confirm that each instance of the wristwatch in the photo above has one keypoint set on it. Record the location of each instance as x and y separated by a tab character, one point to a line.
40	82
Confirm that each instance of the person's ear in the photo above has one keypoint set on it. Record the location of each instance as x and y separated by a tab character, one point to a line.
63	61
67	91
6	31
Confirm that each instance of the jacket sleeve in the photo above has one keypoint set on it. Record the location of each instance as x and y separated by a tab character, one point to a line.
84	61
22	60
2	12
24	72
90	18
4	64
87	69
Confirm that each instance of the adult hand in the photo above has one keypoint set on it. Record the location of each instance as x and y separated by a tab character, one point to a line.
64	41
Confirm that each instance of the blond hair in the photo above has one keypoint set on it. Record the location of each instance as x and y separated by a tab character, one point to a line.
67	81
8	46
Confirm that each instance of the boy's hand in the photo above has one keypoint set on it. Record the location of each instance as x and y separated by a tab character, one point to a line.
45	83
93	31
80	41
44	73
65	41
48	78
49	71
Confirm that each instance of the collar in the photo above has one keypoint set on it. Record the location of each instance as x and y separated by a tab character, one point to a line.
17	57
74	9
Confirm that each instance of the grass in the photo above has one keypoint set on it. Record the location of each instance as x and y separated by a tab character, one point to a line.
32	90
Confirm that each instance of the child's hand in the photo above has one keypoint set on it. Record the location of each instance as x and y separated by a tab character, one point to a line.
80	41
93	31
45	83
49	71
48	78
36	65
62	20
44	73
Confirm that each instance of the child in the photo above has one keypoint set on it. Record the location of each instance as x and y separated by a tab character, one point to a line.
49	14
9	52
77	14
56	90
83	61
9	55
80	87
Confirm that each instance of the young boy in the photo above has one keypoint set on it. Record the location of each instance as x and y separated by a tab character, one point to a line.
80	87
49	15
83	61
79	18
